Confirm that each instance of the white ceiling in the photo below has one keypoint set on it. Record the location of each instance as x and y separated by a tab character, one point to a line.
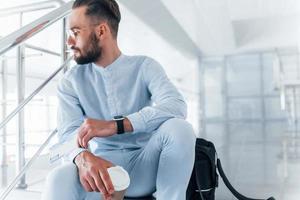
217	27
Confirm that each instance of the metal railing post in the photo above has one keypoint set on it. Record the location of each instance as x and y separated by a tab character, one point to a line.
64	52
3	153
20	157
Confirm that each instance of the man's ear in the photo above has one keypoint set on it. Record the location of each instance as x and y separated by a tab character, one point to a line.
102	30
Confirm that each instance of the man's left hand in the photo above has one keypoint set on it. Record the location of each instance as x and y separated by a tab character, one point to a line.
95	128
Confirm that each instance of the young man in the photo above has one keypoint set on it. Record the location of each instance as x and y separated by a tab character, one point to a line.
123	110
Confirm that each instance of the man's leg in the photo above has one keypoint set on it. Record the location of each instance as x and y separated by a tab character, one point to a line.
166	162
63	183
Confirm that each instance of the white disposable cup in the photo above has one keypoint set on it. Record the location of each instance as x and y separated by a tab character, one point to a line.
120	180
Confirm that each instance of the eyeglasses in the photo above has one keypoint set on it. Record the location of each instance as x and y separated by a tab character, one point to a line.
73	33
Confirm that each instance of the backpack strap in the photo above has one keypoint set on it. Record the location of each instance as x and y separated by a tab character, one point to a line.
200	193
231	188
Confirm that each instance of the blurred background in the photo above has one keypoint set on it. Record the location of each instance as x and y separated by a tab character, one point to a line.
235	61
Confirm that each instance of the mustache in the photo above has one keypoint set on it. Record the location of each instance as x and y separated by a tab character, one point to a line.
75	48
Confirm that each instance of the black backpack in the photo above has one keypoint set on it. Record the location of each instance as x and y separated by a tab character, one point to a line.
204	178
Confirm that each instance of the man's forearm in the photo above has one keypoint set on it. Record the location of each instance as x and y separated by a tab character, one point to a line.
127	125
80	158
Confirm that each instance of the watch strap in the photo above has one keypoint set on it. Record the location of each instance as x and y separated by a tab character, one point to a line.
120	124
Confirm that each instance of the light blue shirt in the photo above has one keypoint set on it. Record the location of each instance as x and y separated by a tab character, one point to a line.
133	86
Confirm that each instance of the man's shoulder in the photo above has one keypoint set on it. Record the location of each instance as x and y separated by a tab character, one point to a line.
76	70
140	60
73	74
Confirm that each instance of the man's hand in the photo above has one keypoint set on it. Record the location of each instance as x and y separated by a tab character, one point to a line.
95	128
99	128
93	174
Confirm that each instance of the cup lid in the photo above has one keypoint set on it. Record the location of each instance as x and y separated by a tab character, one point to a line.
119	177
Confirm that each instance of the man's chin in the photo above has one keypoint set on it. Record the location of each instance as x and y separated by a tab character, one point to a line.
82	60
78	59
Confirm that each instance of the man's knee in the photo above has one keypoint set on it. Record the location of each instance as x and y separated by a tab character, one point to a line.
179	132
61	180
64	173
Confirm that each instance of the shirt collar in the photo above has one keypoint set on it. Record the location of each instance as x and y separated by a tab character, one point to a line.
111	66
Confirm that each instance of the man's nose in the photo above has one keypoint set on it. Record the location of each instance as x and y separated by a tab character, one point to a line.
70	41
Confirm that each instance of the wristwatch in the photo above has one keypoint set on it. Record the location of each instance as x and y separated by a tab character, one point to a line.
120	124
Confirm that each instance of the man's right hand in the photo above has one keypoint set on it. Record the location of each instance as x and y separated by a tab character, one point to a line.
93	174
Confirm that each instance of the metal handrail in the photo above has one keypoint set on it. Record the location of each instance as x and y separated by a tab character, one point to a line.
34	27
29	46
23	103
30	7
26	167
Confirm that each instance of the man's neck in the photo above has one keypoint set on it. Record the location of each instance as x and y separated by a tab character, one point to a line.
109	55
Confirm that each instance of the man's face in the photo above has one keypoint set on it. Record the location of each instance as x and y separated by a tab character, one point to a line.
83	39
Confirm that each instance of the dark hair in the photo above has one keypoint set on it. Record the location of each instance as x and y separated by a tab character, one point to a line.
102	10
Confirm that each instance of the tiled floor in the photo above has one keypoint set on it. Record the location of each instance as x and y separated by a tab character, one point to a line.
253	160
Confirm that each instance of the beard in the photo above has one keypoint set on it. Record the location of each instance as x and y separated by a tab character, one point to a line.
93	51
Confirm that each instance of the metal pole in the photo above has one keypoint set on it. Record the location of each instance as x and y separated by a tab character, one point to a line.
64	48
201	101
20	161
262	95
48	124
295	122
3	158
226	102
41	50
226	99
263	112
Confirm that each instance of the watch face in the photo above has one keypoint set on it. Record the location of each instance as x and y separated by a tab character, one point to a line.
119	117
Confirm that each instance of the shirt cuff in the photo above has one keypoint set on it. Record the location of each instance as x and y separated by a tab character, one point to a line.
72	155
137	122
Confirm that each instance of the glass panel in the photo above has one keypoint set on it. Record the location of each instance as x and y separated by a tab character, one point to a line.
244	108
213	89
272	109
240	132
215	132
290	67
243	75
269	84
